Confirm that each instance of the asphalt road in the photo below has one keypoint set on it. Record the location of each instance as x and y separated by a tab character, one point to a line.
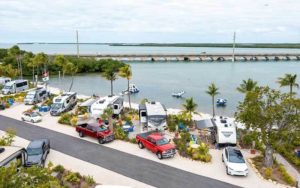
143	170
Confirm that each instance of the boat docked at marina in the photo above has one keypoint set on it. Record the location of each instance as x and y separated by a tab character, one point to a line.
221	102
178	94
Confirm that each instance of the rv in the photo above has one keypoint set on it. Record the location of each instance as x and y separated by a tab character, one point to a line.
4	80
36	96
63	103
115	102
15	86
153	115
224	131
12	154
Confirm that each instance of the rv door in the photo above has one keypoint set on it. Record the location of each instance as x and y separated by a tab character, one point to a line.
143	116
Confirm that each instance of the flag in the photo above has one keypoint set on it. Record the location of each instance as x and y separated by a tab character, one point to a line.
46	76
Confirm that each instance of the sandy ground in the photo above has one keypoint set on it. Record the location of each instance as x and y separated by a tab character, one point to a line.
215	169
100	175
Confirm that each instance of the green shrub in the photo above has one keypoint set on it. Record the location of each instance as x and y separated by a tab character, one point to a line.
286	177
65	118
72	178
89	180
8	138
58	169
133	140
120	134
268	173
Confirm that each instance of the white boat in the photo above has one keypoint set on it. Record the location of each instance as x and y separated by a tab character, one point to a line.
178	94
221	102
132	89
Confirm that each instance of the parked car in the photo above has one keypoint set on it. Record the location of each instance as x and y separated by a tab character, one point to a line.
234	162
100	132
156	143
33	117
37	152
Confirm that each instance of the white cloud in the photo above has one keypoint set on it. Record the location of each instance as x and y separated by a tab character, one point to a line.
141	20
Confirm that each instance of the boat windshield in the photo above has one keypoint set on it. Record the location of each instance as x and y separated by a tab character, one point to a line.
163	141
102	128
56	106
34	151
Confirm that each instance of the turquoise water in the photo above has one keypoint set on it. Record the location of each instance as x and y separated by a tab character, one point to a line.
158	80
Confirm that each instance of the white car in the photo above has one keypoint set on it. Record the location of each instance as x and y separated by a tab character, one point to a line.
234	162
33	117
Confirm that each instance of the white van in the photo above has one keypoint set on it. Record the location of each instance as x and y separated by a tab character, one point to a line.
4	80
15	86
12	154
36	96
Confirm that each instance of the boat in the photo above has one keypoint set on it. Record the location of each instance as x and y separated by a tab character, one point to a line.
178	94
221	102
132	89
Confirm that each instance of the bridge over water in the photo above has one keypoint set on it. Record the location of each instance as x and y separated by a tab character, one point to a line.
205	57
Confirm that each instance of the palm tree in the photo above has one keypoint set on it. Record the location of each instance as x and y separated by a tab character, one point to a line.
213	91
288	80
38	60
247	85
110	74
28	59
71	69
125	72
107	114
17	53
61	61
189	109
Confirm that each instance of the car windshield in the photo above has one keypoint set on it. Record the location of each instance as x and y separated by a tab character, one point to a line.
7	87
35	114
56	105
102	128
236	156
163	141
34	151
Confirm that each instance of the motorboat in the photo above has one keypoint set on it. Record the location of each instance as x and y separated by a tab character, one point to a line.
132	89
178	94
221	102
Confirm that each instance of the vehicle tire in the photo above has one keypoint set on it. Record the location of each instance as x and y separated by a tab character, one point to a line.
43	164
81	134
141	145
22	119
227	171
101	140
159	155
32	121
222	158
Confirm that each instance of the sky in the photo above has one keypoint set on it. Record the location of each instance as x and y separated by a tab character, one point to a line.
157	21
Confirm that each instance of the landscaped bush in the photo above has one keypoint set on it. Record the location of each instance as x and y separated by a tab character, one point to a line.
133	140
80	110
65	118
268	173
120	134
58	169
287	178
89	179
288	154
8	138
172	122
72	177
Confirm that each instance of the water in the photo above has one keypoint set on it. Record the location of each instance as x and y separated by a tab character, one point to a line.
157	81
106	49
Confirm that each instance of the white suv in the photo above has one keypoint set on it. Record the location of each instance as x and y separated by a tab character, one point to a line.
234	162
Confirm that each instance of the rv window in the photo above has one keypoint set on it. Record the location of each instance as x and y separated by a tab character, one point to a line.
143	114
68	101
226	153
116	107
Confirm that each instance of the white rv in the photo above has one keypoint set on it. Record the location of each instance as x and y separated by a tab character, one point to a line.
4	80
36	96
15	86
63	103
115	102
12	154
153	115
224	130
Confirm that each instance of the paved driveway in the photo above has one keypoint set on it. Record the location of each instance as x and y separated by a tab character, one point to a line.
143	170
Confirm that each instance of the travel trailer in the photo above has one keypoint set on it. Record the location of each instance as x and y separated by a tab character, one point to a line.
63	103
115	102
224	131
12	154
4	80
36	96
153	115
15	86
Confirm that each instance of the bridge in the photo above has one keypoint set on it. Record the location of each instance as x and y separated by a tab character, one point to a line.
205	57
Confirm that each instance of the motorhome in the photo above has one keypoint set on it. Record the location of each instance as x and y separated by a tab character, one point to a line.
153	115
4	80
15	86
63	103
224	130
12	154
115	102
36	96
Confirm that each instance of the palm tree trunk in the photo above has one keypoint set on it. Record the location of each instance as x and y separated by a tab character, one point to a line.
128	94
111	87
213	104
71	83
37	75
291	89
33	74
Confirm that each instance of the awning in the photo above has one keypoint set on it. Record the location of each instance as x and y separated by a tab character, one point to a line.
88	102
204	123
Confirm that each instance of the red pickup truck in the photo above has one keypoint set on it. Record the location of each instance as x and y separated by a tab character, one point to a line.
102	133
156	143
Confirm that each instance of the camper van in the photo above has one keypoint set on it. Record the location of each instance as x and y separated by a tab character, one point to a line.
153	115
15	86
224	131
12	154
115	102
4	80
36	96
63	103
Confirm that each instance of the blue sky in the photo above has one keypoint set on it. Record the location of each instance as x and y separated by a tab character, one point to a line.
149	20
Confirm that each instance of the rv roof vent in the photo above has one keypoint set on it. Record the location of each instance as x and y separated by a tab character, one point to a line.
102	101
110	95
152	102
221	117
2	150
225	125
223	121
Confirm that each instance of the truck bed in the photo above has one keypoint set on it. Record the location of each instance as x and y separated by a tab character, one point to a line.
144	135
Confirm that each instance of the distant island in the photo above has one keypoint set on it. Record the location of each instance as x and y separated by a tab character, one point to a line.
214	45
